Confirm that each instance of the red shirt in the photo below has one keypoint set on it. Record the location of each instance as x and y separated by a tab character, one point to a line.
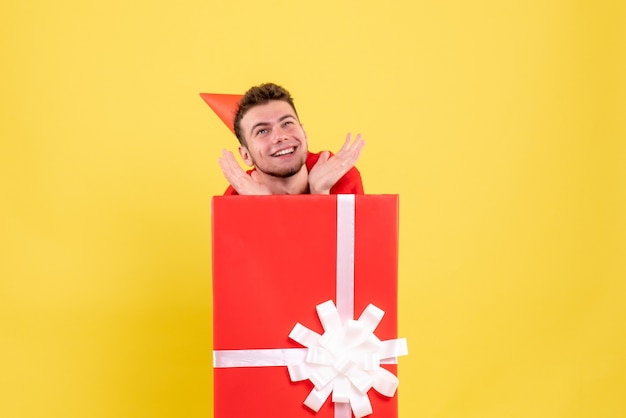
350	183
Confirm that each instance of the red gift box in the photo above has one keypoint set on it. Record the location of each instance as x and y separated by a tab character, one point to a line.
275	258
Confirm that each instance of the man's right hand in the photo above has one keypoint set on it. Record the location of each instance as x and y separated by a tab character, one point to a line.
243	183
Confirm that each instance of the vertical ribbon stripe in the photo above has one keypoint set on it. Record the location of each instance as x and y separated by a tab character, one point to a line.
345	256
345	272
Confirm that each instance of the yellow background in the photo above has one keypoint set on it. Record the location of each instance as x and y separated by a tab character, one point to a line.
501	126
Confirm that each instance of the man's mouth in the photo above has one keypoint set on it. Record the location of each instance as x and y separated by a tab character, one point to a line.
285	151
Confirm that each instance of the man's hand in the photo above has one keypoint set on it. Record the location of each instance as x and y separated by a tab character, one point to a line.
243	183
328	170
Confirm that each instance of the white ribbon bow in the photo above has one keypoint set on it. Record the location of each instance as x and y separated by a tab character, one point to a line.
345	360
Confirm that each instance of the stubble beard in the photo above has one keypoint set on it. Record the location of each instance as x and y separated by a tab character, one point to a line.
284	173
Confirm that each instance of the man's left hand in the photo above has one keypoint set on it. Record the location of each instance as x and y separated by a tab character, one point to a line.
328	170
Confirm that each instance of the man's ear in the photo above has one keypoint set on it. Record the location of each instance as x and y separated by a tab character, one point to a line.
245	155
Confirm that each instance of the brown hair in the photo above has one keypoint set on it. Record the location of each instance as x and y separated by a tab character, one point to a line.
259	95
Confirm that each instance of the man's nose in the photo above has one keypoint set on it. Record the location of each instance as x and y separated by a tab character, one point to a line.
280	134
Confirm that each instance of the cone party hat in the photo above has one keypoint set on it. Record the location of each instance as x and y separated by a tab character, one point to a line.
224	106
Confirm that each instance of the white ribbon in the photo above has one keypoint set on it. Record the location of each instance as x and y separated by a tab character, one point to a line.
346	359
345	255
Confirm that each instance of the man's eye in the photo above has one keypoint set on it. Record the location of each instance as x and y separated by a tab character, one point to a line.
288	123
262	131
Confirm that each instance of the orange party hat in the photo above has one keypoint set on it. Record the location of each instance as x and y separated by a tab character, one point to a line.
224	106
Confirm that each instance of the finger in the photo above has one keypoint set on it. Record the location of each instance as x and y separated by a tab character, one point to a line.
226	164
256	177
256	185
234	165
230	176
230	158
231	169
225	161
348	145
349	158
357	140
323	157
357	145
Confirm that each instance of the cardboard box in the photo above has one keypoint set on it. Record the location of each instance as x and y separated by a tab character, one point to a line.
274	261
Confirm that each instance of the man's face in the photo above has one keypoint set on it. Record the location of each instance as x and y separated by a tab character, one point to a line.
277	144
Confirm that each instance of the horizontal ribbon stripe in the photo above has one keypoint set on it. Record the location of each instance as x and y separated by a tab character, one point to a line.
258	358
270	357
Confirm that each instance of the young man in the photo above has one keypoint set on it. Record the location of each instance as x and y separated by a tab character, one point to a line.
273	141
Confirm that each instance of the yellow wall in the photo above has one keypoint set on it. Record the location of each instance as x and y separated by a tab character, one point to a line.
501	127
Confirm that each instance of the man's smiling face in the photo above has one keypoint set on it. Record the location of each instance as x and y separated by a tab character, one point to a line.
276	143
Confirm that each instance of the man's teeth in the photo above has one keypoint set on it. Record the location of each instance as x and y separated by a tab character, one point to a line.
284	152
